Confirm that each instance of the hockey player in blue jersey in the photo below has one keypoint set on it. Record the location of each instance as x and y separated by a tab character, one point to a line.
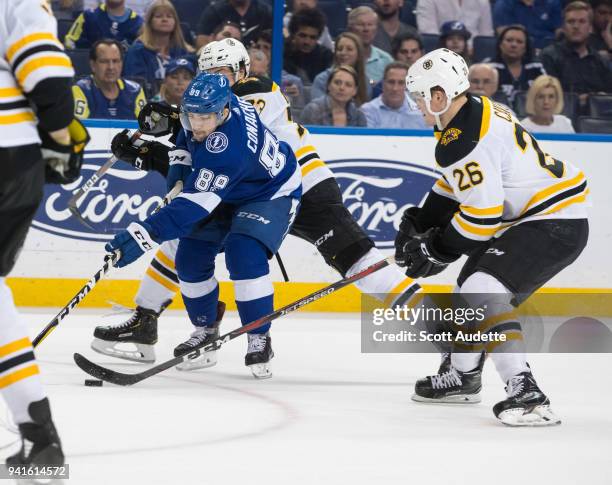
241	194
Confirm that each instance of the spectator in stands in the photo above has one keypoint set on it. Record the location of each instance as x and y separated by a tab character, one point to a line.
579	68
65	9
138	6
304	57
104	94
251	15
544	103
160	42
407	48
601	37
454	36
326	39
393	109
541	18
111	20
475	15
227	30
260	65
390	25
349	51
263	42
179	73
484	81
337	107
515	62
363	21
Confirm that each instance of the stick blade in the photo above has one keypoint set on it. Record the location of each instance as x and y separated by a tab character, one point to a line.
75	213
105	374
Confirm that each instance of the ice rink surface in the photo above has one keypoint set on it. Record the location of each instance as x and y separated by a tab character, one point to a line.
330	415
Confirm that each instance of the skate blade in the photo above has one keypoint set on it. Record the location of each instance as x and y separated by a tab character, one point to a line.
261	371
456	399
538	416
204	361
143	353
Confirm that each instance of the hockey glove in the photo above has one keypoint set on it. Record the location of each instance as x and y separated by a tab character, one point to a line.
159	119
141	154
408	229
132	243
180	167
63	161
422	259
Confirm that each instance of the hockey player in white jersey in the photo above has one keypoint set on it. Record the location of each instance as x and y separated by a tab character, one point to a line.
40	140
517	212
322	219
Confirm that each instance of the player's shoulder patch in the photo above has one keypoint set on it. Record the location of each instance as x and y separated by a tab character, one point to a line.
252	85
462	135
217	142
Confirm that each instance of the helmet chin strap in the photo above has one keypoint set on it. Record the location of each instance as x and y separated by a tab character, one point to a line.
436	114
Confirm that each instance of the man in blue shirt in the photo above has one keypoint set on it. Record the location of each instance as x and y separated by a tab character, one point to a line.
393	109
111	20
249	183
104	94
541	18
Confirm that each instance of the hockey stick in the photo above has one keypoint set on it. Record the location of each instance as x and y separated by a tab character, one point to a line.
282	267
122	379
87	186
109	260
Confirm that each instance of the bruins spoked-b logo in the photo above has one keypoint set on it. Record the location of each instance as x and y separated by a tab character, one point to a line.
428	64
216	142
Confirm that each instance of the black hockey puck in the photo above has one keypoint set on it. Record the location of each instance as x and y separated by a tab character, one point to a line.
93	382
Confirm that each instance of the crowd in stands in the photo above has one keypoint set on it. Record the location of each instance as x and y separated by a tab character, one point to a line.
345	61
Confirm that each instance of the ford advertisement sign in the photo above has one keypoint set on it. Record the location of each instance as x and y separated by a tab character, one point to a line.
123	195
377	192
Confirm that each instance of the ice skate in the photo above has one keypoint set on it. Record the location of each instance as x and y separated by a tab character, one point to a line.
140	330
526	404
450	385
40	443
201	336
259	354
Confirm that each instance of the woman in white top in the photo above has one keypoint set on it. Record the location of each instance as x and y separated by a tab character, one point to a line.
544	103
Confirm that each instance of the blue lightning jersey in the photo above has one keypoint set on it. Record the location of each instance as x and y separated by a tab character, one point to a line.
240	162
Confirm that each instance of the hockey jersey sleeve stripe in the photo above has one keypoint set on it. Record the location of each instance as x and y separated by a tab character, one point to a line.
18	375
495	211
161	280
35	50
15	361
471	231
552	190
306	149
442	185
50	63
29	39
23	103
311	166
26	116
11	93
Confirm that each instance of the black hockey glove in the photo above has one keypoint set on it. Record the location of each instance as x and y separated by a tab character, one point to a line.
422	259
141	154
63	162
159	119
408	229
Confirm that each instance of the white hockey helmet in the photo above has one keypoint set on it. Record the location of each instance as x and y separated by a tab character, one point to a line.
441	68
225	53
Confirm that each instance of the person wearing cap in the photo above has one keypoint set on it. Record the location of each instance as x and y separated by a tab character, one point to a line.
474	14
454	35
179	73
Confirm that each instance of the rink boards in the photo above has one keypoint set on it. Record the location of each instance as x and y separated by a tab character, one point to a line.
380	173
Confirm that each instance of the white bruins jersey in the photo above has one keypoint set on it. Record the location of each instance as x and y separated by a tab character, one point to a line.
30	53
499	174
274	111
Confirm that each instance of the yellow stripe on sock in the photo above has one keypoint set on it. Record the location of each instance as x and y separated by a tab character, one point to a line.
18	375
399	288
161	280
165	260
15	346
